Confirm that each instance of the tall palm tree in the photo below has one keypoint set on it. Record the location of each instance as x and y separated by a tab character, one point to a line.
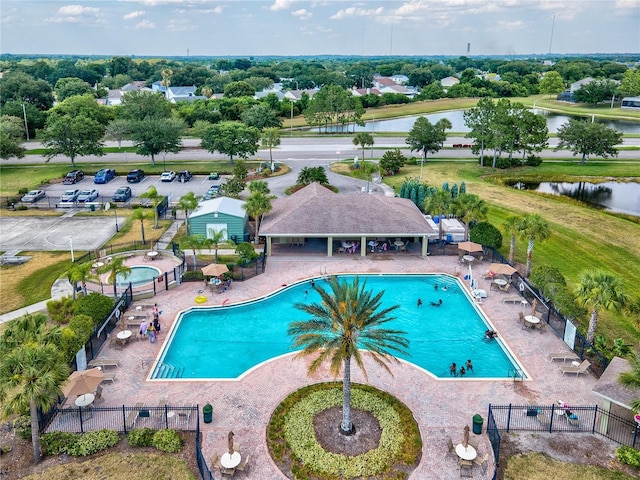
140	214
363	139
271	138
259	186
469	207
215	238
631	379
31	374
257	205
348	318
153	195
114	268
533	227
511	226
438	203
80	273
194	243
188	202
599	290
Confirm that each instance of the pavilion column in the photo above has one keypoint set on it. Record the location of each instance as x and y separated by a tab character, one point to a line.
604	419
268	246
425	246
330	246
363	246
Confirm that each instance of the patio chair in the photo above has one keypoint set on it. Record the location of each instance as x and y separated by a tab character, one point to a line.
474	442
544	418
541	325
450	445
582	368
242	466
573	419
479	461
215	461
504	288
466	471
98	395
185	415
523	322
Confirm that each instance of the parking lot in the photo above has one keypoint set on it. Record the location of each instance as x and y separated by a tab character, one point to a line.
199	185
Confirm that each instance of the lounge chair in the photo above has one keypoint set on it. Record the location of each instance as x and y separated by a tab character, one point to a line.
573	419
582	368
544	418
104	362
133	415
564	356
108	377
512	299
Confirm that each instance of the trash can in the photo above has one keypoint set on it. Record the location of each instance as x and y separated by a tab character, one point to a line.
207	413
477	424
92	207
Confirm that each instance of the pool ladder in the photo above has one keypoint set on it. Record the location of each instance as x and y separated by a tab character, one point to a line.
165	370
516	374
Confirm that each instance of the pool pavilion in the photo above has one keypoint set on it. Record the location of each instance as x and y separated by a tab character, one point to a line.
316	214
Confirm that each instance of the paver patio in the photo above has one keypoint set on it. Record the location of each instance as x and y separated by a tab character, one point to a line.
442	407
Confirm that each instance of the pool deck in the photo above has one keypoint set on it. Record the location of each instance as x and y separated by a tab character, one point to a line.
442	407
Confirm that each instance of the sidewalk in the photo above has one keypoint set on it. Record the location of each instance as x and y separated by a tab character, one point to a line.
60	288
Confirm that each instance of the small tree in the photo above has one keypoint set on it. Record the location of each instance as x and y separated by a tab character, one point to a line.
141	215
271	138
188	202
114	268
72	137
193	243
551	83
216	237
363	139
589	138
533	227
153	195
392	161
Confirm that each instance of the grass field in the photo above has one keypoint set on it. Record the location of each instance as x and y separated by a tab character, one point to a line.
582	238
537	466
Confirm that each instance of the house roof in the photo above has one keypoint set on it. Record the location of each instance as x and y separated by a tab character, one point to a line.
610	389
226	205
316	210
384	81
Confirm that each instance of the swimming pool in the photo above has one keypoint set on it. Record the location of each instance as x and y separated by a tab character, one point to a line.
140	275
225	342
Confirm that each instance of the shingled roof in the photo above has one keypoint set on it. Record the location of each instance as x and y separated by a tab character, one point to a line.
317	211
610	389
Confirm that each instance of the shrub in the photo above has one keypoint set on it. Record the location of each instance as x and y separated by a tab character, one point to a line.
486	234
94	305
55	443
628	455
92	442
22	426
141	437
61	310
82	325
168	440
193	275
533	161
70	343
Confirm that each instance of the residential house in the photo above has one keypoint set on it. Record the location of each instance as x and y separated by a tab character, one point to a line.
220	214
449	82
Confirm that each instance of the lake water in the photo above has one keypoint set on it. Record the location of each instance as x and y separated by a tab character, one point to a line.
621	197
405	124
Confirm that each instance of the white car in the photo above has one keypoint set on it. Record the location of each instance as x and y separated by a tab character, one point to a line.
168	176
70	195
88	195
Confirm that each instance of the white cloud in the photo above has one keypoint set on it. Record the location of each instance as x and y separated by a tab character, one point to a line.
155	3
145	25
302	14
281	5
77	10
516	25
357	12
628	4
181	26
132	15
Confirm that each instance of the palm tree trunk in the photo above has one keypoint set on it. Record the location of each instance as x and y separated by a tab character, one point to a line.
257	220
35	432
195	259
346	427
529	253
593	323
142	228
512	248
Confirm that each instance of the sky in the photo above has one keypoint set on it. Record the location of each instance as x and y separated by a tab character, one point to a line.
240	28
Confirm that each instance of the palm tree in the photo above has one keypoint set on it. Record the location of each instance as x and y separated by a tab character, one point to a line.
140	214
114	268
188	202
194	243
153	195
533	227
438	203
271	138
347	320
257	205
511	226
469	207
364	139
215	238
631	379
599	290
80	273
31	373
259	186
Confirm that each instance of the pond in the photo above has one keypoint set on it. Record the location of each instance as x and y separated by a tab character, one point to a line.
621	197
404	124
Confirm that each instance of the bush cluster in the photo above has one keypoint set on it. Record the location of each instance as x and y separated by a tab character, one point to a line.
167	440
140	437
92	442
628	455
55	443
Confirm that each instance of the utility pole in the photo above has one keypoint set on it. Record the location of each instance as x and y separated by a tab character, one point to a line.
26	126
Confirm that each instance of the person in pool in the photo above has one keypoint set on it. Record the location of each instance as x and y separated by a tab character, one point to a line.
490	334
453	369
469	365
462	371
419	302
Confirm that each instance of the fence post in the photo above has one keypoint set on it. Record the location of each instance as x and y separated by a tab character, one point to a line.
595	415
553	411
508	418
166	280
81	421
124	419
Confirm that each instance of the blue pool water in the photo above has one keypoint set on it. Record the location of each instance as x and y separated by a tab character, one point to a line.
225	342
140	275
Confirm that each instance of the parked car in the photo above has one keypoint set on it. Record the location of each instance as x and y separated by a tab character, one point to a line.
214	176
135	176
33	196
70	195
88	195
184	176
73	177
168	176
213	192
104	176
122	194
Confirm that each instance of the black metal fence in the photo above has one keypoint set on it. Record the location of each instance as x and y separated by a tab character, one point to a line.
203	468
123	418
494	439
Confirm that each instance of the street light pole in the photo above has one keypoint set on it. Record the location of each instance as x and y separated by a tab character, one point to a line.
291	126
73	260
26	126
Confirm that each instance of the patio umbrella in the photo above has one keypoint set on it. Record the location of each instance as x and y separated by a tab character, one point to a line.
534	304
465	437
83	381
215	269
470	247
230	440
502	269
